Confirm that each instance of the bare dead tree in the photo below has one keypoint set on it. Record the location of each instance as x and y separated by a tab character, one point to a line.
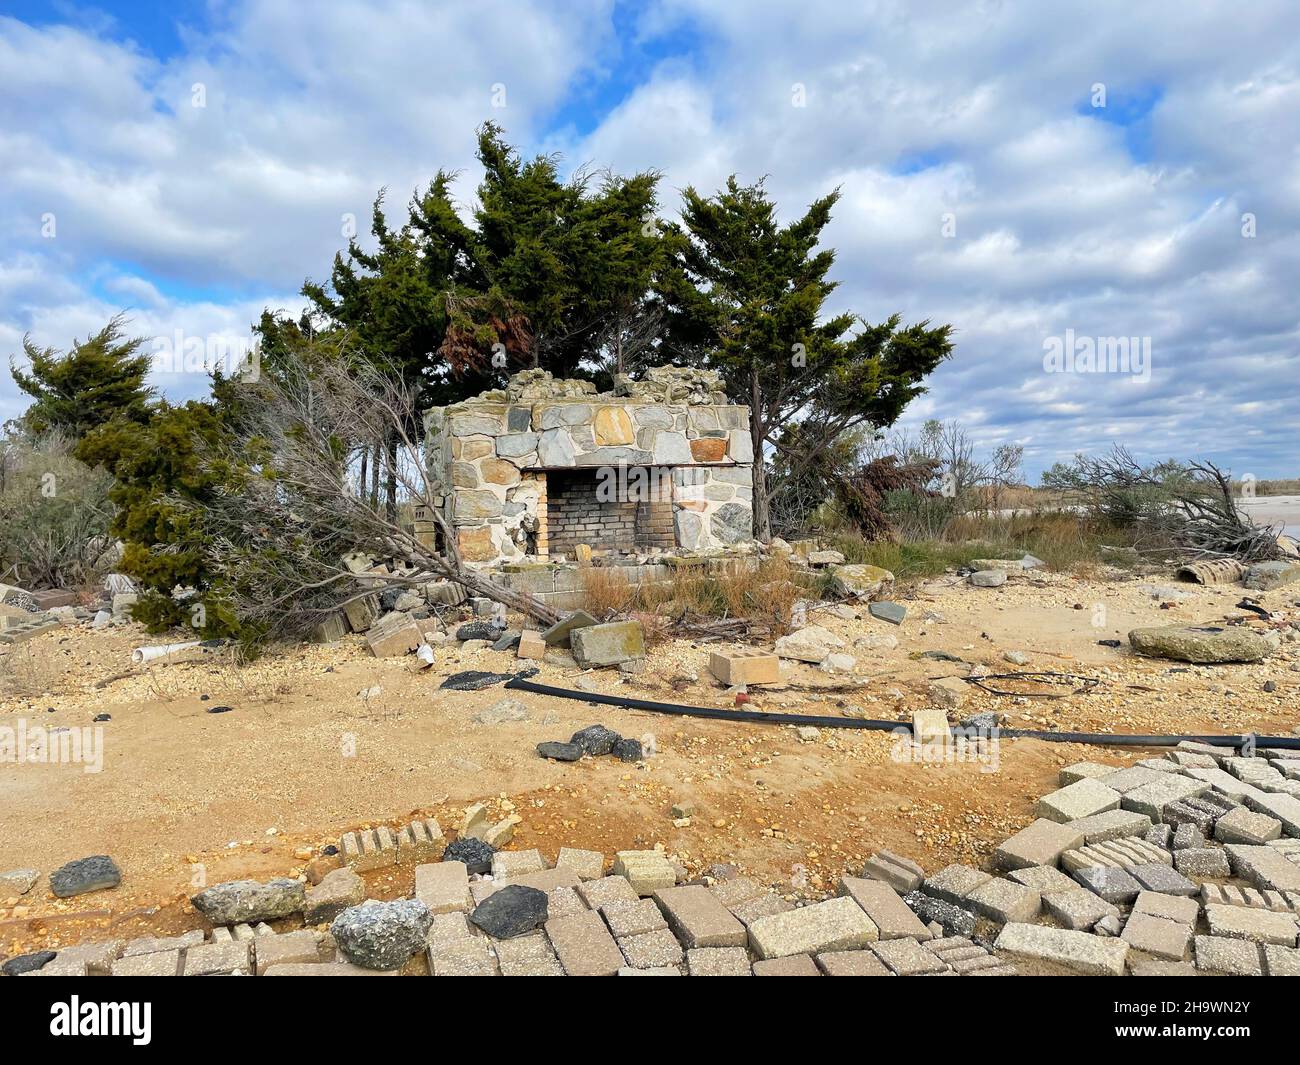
1186	507
293	507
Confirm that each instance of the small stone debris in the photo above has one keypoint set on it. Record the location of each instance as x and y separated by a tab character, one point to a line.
560	752
474	854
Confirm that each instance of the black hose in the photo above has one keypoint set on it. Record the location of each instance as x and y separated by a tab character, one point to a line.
1100	738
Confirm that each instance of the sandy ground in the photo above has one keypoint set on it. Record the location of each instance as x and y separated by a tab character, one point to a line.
186	796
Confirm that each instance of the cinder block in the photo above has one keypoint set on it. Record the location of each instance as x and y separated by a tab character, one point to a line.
420	842
369	849
745	667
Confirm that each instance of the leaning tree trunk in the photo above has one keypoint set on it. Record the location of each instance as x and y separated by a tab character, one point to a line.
762	518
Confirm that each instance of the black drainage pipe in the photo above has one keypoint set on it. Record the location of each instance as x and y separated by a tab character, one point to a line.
1103	739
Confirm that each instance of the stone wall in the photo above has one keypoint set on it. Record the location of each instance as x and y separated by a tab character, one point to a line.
672	437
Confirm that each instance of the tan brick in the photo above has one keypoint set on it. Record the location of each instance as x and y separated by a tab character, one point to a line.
584	945
745	667
698	918
443	886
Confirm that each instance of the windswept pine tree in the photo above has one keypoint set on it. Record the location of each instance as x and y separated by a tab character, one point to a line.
747	295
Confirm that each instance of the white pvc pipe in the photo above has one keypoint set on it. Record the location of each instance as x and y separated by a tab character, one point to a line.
162	650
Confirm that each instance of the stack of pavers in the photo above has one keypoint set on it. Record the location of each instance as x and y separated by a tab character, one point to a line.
1171	866
1168	867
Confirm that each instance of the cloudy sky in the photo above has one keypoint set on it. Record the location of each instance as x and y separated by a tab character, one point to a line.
1025	171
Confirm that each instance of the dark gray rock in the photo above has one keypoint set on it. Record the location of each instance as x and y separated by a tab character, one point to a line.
472	680
894	613
1113	885
508	641
561	752
85	874
558	634
240	901
984	722
511	911
27	963
955	920
595	739
476	854
478	630
626	750
382	935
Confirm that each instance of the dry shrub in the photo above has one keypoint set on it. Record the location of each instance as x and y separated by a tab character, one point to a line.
25	673
606	590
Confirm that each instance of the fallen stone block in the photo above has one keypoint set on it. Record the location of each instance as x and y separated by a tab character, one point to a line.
1265	867
851	963
954	883
1258	926
1078	951
1202	644
531	645
394	635
612	644
443	886
1157	936
906	957
902	874
698	919
745	667
335	968
159	963
718	961
587	865
1078	908
209	959
528	955
1084	798
1113	824
240	901
584	946
1040	843
795	965
97	873
337	891
1005	901
886	909
1234	957
651	950
420	842
303	947
646	871
1202	863
368	849
837	924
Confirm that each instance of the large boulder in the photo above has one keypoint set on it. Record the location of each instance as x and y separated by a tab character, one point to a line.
1203	644
860	580
248	901
608	645
382	935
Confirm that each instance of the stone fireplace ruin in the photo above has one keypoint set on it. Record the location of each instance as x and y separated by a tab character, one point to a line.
545	468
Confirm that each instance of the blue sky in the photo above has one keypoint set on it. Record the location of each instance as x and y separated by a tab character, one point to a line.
981	183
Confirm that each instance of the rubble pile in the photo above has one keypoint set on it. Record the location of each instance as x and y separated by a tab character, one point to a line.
1175	866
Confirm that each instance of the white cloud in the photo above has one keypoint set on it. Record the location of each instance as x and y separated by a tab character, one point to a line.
915	110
